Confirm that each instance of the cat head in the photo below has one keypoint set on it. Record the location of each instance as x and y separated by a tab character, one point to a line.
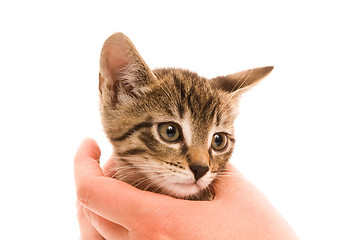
172	130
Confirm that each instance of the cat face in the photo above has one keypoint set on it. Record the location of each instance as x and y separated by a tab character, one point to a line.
172	130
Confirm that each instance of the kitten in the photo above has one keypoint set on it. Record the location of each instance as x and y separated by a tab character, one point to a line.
172	130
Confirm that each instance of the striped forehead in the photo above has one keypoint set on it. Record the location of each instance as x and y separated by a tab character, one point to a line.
196	97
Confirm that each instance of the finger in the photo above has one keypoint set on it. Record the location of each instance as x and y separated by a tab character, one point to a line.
86	164
110	198
87	158
106	228
87	231
89	148
120	202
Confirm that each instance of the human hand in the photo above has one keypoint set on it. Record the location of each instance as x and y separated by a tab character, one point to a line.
112	209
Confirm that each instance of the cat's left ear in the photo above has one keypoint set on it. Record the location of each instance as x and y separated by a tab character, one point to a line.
123	72
241	81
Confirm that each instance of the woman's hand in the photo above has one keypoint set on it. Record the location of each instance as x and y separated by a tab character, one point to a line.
111	209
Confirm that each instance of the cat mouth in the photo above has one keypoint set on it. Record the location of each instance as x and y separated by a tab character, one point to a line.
193	185
187	184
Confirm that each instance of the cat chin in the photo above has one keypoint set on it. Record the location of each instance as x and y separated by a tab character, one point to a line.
184	190
189	192
187	188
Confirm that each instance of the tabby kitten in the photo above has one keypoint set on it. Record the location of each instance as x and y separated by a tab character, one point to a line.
172	130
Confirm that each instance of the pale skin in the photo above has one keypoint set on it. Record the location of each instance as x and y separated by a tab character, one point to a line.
111	209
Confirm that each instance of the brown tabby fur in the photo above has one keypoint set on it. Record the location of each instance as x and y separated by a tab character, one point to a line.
134	100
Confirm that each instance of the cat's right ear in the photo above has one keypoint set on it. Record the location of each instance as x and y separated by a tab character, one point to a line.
241	81
123	72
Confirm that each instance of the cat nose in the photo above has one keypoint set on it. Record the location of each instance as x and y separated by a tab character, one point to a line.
198	170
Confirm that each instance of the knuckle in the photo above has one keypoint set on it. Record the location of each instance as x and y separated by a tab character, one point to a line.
82	193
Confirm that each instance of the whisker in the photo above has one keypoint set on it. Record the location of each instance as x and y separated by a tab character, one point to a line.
218	186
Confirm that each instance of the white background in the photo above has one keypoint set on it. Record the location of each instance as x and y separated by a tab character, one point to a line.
298	134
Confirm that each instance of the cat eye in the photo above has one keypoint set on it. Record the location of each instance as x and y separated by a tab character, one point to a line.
169	132
219	141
